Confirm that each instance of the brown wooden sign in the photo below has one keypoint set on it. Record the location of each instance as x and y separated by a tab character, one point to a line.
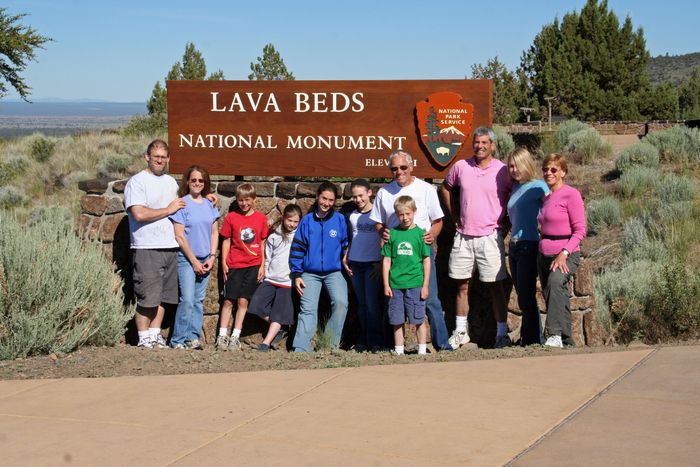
323	128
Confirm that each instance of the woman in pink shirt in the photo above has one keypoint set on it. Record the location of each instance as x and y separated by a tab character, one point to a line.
563	226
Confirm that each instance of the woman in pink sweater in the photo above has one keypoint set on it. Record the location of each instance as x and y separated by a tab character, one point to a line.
563	225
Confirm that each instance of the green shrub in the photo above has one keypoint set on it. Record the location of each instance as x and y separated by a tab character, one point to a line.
504	143
637	180
678	144
56	293
114	164
674	188
151	125
587	146
11	197
622	294
638	244
601	213
673	305
566	129
13	167
42	149
639	154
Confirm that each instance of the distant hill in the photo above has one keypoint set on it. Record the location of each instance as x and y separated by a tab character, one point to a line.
672	68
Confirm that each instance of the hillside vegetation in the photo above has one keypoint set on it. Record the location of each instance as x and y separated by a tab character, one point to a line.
672	68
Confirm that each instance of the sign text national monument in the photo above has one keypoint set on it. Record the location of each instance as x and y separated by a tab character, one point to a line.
323	128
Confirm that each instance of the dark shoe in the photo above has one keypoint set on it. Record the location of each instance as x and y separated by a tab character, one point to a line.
264	348
281	334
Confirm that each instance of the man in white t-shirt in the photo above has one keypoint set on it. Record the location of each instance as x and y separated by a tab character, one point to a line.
150	197
428	217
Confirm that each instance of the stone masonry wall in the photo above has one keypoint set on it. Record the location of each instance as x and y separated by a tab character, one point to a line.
104	220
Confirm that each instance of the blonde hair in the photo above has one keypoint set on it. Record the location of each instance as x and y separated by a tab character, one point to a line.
245	190
405	202
522	159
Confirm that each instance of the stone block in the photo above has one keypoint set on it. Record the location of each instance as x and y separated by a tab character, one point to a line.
307	190
305	204
84	225
95	185
273	216
287	190
113	226
592	329
93	204
582	303
583	280
577	328
266	189
265	205
119	186
114	204
227	188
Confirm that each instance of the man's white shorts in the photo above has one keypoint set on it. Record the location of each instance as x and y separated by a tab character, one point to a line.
487	253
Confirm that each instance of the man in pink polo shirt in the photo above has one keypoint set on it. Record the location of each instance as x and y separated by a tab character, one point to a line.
484	187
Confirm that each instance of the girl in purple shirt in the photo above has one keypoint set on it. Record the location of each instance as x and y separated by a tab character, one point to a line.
563	226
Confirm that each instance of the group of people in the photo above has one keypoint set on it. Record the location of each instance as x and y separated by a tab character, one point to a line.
386	246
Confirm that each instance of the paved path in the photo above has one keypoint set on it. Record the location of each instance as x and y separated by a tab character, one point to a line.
633	407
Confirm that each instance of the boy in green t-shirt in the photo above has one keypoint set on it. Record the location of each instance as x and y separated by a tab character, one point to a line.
406	273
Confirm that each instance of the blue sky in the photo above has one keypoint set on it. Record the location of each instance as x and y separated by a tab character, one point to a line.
117	50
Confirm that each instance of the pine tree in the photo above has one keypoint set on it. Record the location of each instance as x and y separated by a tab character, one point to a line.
270	66
18	45
689	96
192	67
508	92
590	63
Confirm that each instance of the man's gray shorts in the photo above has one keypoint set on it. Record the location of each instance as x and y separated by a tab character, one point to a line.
155	276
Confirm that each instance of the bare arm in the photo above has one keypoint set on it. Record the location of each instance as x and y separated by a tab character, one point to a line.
424	291
225	247
144	214
209	263
386	266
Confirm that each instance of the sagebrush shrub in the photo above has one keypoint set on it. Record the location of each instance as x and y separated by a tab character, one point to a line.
504	143
56	293
587	146
12	197
13	167
566	129
674	188
679	144
636	180
639	154
673	310
114	164
602	213
42	149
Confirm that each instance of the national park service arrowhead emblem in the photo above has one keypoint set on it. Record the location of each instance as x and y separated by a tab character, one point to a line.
444	122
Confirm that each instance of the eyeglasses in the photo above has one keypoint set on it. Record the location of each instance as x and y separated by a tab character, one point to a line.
196	180
159	157
549	169
396	168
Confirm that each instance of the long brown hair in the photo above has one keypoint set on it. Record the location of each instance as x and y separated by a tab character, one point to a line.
184	183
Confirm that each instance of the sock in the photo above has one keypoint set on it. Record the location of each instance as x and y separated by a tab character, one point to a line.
422	349
398	349
144	334
154	332
501	328
223	331
461	324
236	333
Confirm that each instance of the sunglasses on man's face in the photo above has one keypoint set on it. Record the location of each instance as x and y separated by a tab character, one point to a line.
403	168
549	169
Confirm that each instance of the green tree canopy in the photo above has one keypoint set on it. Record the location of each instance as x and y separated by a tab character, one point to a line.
270	66
18	44
192	67
594	65
689	96
509	93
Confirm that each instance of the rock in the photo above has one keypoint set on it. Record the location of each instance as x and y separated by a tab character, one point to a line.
95	185
287	190
93	204
592	329
583	280
113	226
119	186
307	190
114	204
577	329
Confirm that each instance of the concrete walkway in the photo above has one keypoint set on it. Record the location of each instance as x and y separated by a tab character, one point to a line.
633	407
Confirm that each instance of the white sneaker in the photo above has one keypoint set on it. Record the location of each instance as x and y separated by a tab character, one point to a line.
145	343
234	343
159	342
554	341
222	343
458	339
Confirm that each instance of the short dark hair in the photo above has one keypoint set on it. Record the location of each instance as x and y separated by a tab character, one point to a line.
327	186
361	182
